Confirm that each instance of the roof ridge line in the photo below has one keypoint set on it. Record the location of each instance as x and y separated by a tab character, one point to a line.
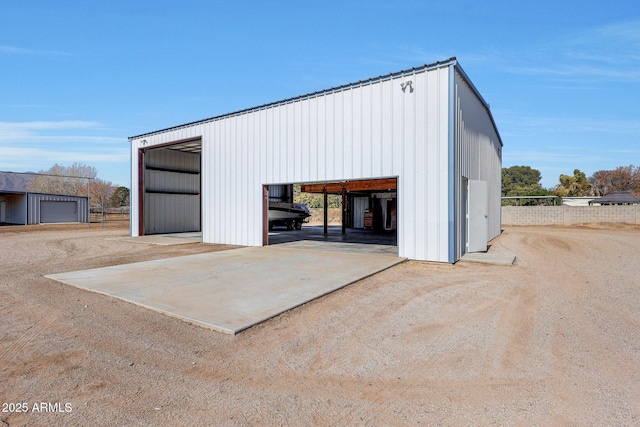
451	61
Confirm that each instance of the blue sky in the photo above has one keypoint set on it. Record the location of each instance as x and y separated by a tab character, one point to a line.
79	77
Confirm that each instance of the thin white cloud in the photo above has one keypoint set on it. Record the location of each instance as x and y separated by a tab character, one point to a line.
60	139
13	50
625	33
552	156
624	151
48	125
607	53
581	72
528	125
37	145
53	131
13	157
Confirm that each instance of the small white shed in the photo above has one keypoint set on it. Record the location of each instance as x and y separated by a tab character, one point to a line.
427	130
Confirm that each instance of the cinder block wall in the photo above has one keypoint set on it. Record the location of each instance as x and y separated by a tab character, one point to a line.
570	215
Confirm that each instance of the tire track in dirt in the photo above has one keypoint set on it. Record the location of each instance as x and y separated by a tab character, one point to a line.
18	346
551	341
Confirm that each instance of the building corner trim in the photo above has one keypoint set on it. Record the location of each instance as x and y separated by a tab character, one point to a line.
451	154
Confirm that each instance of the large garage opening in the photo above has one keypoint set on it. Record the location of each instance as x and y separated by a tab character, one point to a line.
13	209
170	188
355	211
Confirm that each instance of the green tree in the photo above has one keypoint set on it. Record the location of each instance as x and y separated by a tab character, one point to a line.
315	200
573	186
522	181
120	197
515	178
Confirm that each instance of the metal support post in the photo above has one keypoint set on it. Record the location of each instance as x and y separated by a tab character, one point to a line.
326	211
344	210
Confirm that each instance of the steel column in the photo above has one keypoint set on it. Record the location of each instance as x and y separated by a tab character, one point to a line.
326	211
344	210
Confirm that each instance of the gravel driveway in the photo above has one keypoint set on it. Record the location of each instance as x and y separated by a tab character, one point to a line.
552	340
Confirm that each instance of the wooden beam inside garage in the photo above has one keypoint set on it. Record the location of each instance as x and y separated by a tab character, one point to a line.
383	184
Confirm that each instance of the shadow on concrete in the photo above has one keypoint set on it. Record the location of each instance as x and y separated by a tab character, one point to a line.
316	233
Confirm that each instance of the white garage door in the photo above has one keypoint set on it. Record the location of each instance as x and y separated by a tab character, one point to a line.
55	211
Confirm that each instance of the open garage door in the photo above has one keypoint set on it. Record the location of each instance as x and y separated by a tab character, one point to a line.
58	211
367	212
171	199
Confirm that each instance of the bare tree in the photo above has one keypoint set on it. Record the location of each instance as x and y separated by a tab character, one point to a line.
101	192
60	179
623	178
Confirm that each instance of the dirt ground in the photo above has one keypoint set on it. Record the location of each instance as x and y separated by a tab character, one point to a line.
334	216
552	340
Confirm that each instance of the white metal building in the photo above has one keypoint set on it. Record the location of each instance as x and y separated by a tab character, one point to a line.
427	127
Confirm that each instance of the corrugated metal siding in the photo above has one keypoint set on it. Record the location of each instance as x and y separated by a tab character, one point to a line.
15	208
33	206
358	206
478	156
172	191
18	213
281	193
172	213
370	131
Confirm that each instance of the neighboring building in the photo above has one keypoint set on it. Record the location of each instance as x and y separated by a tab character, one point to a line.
617	198
577	201
22	208
422	140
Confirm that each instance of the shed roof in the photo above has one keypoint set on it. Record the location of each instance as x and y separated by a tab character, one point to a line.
26	193
617	197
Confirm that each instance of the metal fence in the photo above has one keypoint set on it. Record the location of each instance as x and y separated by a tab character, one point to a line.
105	215
531	200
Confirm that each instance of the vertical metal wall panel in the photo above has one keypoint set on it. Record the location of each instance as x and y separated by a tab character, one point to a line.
364	149
33	206
314	137
134	210
358	207
281	193
478	157
172	191
168	213
15	209
371	130
419	209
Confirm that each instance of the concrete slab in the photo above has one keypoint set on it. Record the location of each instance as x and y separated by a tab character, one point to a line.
489	258
342	247
231	290
316	233
164	239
